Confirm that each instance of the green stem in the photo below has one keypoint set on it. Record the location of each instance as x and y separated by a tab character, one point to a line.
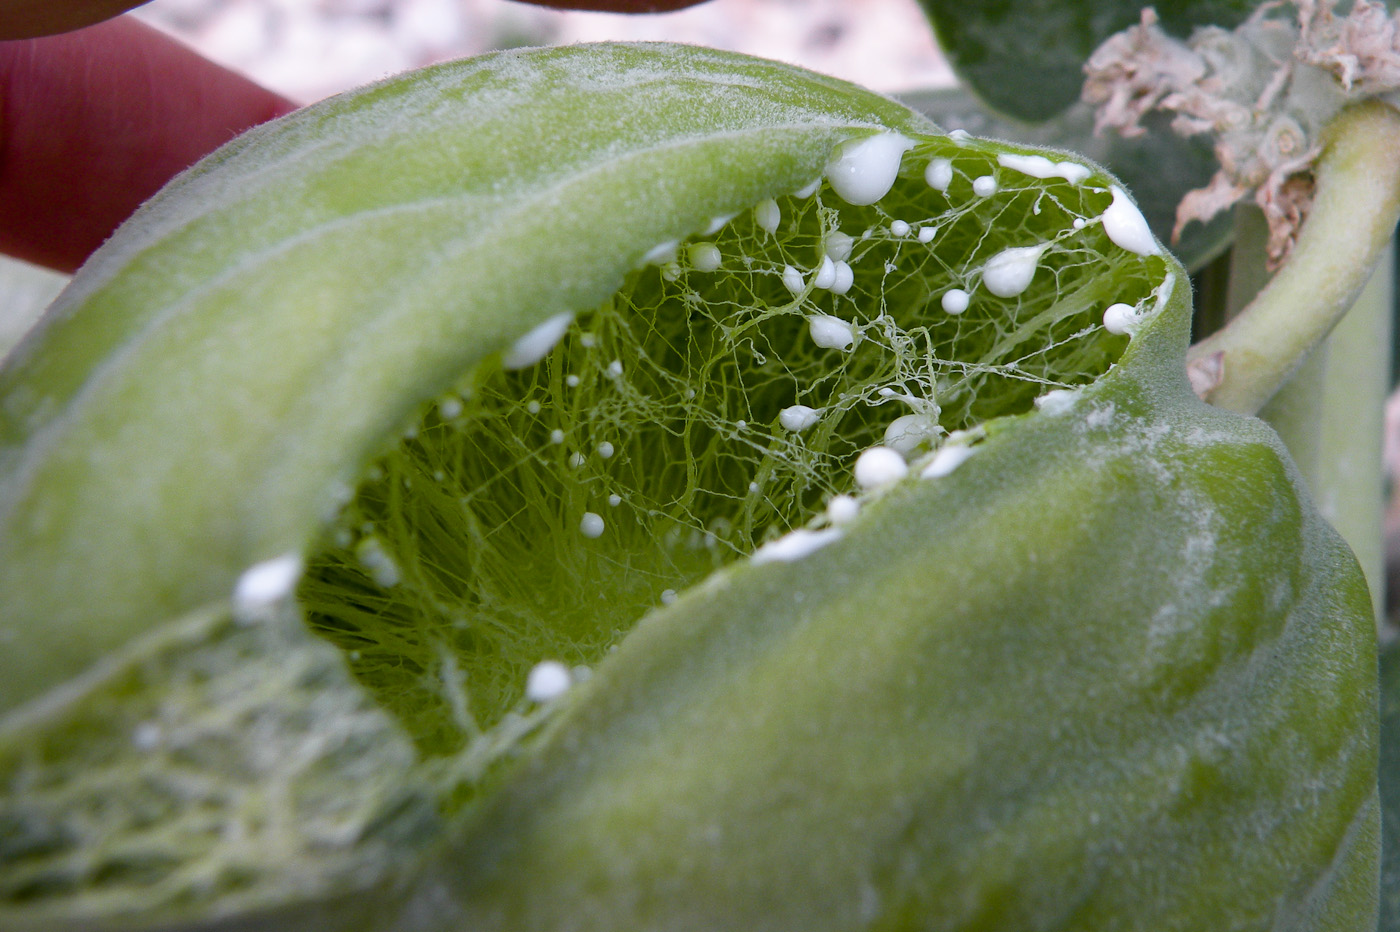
1331	416
1353	214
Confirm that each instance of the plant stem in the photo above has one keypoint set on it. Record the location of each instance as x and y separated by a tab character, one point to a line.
1331	416
1354	212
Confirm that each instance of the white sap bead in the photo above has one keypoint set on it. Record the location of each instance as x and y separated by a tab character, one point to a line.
606	450
792	280
704	257
864	170
1120	318
939	174
537	343
845	278
830	332
591	525
842	509
798	417
879	466
768	215
946	460
954	300
984	186
548	679
1125	225
661	252
794	546
263	585
1010	271
826	274
899	228
838	245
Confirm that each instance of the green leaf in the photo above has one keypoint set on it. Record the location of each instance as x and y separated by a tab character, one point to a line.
582	356
1159	167
1025	57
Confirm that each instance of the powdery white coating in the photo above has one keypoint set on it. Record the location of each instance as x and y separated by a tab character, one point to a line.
946	460
1038	166
899	228
794	546
556	436
864	170
808	189
1010	271
1125	225
792	279
838	245
661	252
879	466
591	525
830	332
984	186
606	450
845	278
767	214
939	174
537	343
906	433
1057	401
955	300
798	417
1120	318
842	509
926	234
449	409
826	274
615	368
704	257
548	679
264	584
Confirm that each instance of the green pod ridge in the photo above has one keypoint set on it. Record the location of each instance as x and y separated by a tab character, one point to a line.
1048	671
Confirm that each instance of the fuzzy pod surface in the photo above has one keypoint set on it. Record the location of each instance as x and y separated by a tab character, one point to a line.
1074	652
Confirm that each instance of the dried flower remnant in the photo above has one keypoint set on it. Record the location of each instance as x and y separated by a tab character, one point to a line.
1265	91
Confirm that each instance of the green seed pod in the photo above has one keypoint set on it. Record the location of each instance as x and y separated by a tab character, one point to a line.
640	488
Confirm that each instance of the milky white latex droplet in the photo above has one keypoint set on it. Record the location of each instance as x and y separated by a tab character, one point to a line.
864	170
1126	226
1010	271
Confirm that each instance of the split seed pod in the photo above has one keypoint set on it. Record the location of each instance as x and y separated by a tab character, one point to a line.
639	487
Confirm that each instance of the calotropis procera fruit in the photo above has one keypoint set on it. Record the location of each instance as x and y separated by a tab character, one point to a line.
639	487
